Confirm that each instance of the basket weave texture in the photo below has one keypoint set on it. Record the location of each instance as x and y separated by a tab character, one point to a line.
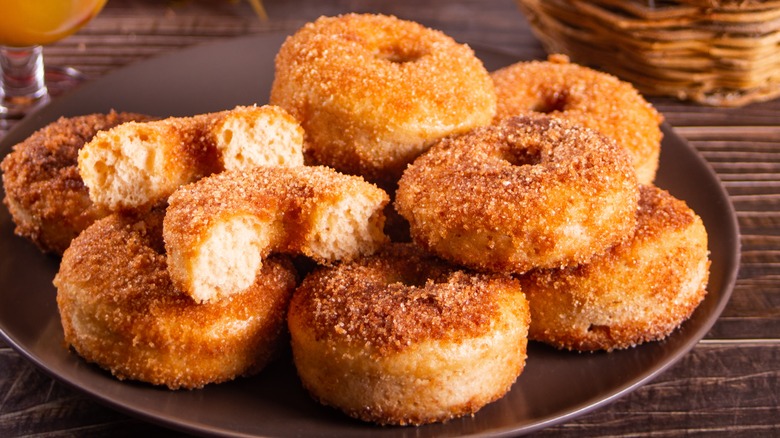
715	52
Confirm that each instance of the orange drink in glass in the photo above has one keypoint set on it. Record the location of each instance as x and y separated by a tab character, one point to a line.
25	26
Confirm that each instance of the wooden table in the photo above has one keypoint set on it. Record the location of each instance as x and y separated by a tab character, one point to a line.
728	385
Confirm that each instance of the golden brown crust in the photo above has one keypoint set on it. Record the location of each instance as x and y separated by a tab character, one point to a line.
43	189
120	310
373	91
401	337
527	192
587	97
639	291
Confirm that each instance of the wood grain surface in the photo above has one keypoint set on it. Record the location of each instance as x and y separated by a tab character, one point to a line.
728	385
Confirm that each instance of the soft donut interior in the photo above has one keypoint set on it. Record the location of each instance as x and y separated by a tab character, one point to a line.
229	253
139	164
231	256
250	137
353	225
131	165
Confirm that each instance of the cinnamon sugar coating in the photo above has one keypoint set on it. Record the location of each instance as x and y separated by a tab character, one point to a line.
120	310
587	97
373	91
402	337
44	192
219	230
638	291
530	191
396	298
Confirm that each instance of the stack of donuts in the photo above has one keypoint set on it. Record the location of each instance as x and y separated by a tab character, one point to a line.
451	214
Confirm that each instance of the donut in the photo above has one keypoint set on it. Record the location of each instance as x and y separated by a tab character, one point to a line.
219	230
638	291
373	91
403	338
585	96
44	192
120	310
530	191
137	165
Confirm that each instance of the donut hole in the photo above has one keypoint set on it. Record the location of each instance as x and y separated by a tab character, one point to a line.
417	275
412	279
400	54
550	103
522	155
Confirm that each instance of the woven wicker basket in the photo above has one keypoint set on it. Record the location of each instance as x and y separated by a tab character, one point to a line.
715	52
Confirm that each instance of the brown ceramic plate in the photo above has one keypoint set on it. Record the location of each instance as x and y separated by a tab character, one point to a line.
555	386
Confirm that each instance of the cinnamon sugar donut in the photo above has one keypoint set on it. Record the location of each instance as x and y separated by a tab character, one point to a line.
219	230
373	91
402	338
585	96
44	192
638	291
527	192
137	165
120	310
